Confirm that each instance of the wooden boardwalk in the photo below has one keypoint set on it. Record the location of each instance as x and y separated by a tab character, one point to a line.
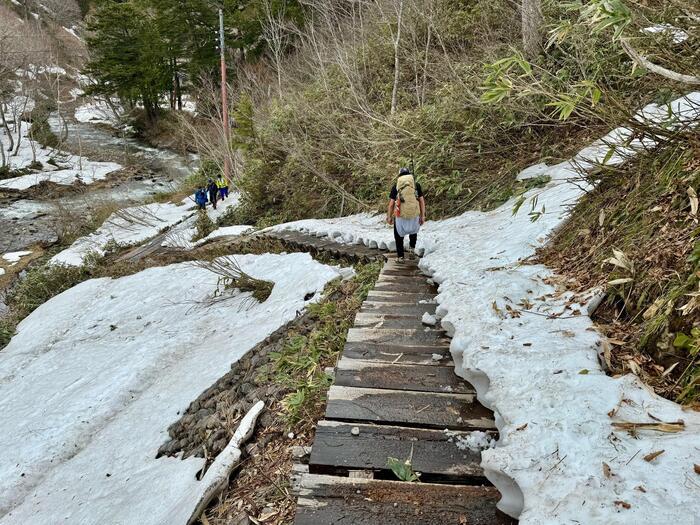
396	395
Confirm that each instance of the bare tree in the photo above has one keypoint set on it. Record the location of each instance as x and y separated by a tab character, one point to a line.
398	7
532	22
276	34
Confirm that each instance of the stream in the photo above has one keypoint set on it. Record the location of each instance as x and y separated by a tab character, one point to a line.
26	221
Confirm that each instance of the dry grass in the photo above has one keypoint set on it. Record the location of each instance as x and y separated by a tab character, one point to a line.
644	211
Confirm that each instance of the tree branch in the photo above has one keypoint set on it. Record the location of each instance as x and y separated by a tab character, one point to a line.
654	68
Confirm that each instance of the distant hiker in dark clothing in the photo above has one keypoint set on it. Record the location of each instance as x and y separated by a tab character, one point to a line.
213	190
223	187
200	197
406	211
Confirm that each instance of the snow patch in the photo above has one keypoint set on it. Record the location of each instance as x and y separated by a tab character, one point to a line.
97	113
678	35
68	169
475	441
95	376
428	319
14	257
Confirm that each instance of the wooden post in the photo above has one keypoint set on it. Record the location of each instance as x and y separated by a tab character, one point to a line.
224	99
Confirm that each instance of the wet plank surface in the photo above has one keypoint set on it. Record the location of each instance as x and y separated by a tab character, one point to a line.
421	409
326	500
420	355
396	375
433	452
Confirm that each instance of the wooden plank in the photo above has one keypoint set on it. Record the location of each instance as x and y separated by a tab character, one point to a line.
403	279
406	297
420	355
399	376
414	287
388	320
397	308
397	336
425	409
433	453
329	500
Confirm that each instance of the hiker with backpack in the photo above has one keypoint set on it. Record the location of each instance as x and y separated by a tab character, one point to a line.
200	197
406	211
213	190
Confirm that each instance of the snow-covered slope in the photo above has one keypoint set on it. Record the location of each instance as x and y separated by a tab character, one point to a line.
94	377
132	226
533	359
71	170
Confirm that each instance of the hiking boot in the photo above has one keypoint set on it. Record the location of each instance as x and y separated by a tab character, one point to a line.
411	254
400	260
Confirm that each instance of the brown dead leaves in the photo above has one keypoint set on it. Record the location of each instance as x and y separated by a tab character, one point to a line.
653	455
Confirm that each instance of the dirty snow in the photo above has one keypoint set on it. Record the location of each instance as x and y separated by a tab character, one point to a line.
132	226
126	227
95	376
96	113
70	170
537	365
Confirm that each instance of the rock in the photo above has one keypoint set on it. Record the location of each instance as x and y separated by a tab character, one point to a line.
300	452
428	319
266	420
355	431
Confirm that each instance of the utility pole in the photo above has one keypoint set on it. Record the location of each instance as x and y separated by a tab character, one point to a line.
224	99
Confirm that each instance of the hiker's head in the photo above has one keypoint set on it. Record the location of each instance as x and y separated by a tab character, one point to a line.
404	171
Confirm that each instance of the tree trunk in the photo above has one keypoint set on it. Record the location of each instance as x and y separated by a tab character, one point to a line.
397	43
7	128
532	21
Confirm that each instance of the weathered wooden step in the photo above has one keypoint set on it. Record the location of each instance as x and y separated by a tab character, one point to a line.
403	272
397	336
416	310
403	279
330	500
402	297
390	320
420	355
423	409
399	376
411	287
434	453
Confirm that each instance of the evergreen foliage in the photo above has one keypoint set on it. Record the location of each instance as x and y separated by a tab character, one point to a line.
151	51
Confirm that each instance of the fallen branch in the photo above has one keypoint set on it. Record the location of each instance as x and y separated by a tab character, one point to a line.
655	68
217	477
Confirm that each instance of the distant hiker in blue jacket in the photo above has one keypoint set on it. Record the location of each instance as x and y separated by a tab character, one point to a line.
200	197
406	211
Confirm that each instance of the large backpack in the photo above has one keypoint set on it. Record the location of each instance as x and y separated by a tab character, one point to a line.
407	205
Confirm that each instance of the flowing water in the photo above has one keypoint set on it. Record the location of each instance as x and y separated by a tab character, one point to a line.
25	221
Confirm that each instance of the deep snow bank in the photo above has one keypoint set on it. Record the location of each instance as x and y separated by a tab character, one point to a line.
94	377
533	359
